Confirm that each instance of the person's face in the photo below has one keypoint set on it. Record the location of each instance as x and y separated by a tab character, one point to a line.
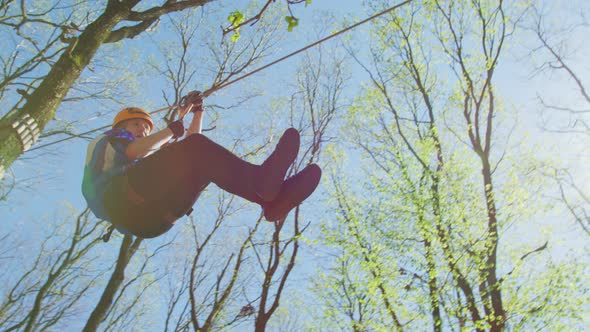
138	127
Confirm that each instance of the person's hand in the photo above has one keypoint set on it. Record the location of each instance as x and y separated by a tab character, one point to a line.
192	102
195	99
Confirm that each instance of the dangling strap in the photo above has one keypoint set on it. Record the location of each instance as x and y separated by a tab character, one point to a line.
107	236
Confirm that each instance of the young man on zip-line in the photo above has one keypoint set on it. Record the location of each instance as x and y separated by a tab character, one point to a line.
142	187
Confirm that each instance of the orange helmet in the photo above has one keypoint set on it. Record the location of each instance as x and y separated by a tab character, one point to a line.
133	113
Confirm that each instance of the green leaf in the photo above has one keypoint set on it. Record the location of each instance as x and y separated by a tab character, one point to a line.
236	18
292	21
235	37
307	2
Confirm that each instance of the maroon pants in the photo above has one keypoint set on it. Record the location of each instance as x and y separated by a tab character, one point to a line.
163	187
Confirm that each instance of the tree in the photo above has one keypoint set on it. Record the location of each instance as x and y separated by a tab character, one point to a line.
128	248
245	282
425	228
314	105
54	289
120	295
231	59
210	284
60	57
555	56
48	292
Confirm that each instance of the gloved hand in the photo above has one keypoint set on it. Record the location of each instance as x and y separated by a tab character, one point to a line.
195	99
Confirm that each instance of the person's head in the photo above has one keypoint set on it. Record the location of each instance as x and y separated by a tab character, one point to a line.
135	120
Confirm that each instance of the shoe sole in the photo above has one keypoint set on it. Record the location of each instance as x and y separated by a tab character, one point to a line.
293	192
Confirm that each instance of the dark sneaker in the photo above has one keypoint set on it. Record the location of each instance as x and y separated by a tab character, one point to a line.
272	172
294	191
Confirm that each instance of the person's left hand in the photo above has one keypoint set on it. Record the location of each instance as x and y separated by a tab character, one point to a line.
195	98
192	102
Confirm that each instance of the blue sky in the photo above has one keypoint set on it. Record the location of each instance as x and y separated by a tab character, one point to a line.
55	181
55	178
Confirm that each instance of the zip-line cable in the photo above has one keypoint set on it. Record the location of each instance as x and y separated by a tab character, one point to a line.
214	88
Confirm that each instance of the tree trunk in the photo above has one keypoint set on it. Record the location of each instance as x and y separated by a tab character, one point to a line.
42	104
128	248
433	288
498	321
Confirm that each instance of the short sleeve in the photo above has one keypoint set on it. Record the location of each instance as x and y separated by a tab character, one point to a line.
119	139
